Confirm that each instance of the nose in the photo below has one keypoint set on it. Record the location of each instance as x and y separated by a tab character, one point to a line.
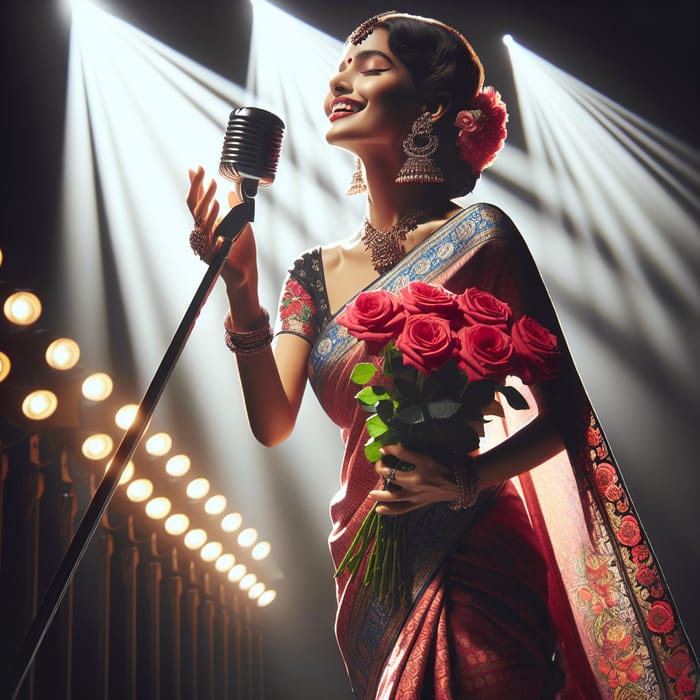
339	84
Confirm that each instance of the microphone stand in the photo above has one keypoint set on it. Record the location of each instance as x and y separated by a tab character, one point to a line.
228	230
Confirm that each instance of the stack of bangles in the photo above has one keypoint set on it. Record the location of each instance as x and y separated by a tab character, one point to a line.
248	342
468	484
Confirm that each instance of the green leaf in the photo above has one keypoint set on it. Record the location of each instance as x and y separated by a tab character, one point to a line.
363	372
513	396
372	448
376	426
410	413
443	408
370	395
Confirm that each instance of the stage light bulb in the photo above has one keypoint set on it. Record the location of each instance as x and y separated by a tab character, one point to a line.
63	354
157	508
231	522
215	505
195	539
247	582
159	444
178	465
177	524
97	387
266	598
508	40
211	551
5	366
261	551
97	446
237	573
256	590
22	308
125	416
197	488
225	563
127	473
40	404
139	490
247	537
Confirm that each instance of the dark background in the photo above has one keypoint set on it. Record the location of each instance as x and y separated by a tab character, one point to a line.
643	59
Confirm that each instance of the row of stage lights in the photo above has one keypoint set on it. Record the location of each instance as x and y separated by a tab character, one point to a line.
23	309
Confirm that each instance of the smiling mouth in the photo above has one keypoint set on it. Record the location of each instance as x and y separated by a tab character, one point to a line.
343	109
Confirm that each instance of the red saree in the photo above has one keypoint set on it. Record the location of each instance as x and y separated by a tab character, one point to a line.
548	587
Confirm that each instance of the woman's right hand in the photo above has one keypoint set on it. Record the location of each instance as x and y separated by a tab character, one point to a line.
240	266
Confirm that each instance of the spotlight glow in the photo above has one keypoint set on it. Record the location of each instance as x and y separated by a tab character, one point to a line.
231	522
266	598
63	354
177	524
256	590
158	508
237	573
97	446
215	505
5	366
178	465
22	308
247	537
197	488
247	582
225	563
40	404
195	539
126	415
97	387
139	490
159	444
261	551
211	551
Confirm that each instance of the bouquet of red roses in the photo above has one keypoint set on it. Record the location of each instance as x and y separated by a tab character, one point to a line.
441	359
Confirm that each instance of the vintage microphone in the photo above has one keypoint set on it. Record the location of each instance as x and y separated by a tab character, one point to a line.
250	153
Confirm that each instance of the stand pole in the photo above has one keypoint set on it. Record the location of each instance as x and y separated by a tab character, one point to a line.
228	230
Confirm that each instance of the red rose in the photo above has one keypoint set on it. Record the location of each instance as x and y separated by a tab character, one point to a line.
479	306
485	352
537	350
467	120
426	342
605	475
657	590
613	492
593	436
375	317
679	664
629	533
685	687
661	619
640	553
424	298
645	576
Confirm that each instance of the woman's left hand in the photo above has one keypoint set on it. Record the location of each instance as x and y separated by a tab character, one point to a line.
428	482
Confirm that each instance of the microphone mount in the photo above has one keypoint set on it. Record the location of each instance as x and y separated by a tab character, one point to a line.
229	229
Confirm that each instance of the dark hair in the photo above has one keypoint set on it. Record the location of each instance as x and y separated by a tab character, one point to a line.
444	71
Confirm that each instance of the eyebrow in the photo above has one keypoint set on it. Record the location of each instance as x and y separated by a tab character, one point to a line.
369	53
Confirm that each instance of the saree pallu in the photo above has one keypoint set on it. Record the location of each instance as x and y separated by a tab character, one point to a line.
550	573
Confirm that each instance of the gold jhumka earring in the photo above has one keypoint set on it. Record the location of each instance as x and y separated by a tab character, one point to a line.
357	184
419	146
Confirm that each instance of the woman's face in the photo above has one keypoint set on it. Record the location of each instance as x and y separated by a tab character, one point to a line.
372	99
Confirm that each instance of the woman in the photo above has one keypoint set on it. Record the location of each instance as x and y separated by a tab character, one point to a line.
518	591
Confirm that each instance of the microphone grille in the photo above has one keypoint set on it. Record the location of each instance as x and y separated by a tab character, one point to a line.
252	145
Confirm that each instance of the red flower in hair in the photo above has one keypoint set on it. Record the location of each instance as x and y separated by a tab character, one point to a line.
482	129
